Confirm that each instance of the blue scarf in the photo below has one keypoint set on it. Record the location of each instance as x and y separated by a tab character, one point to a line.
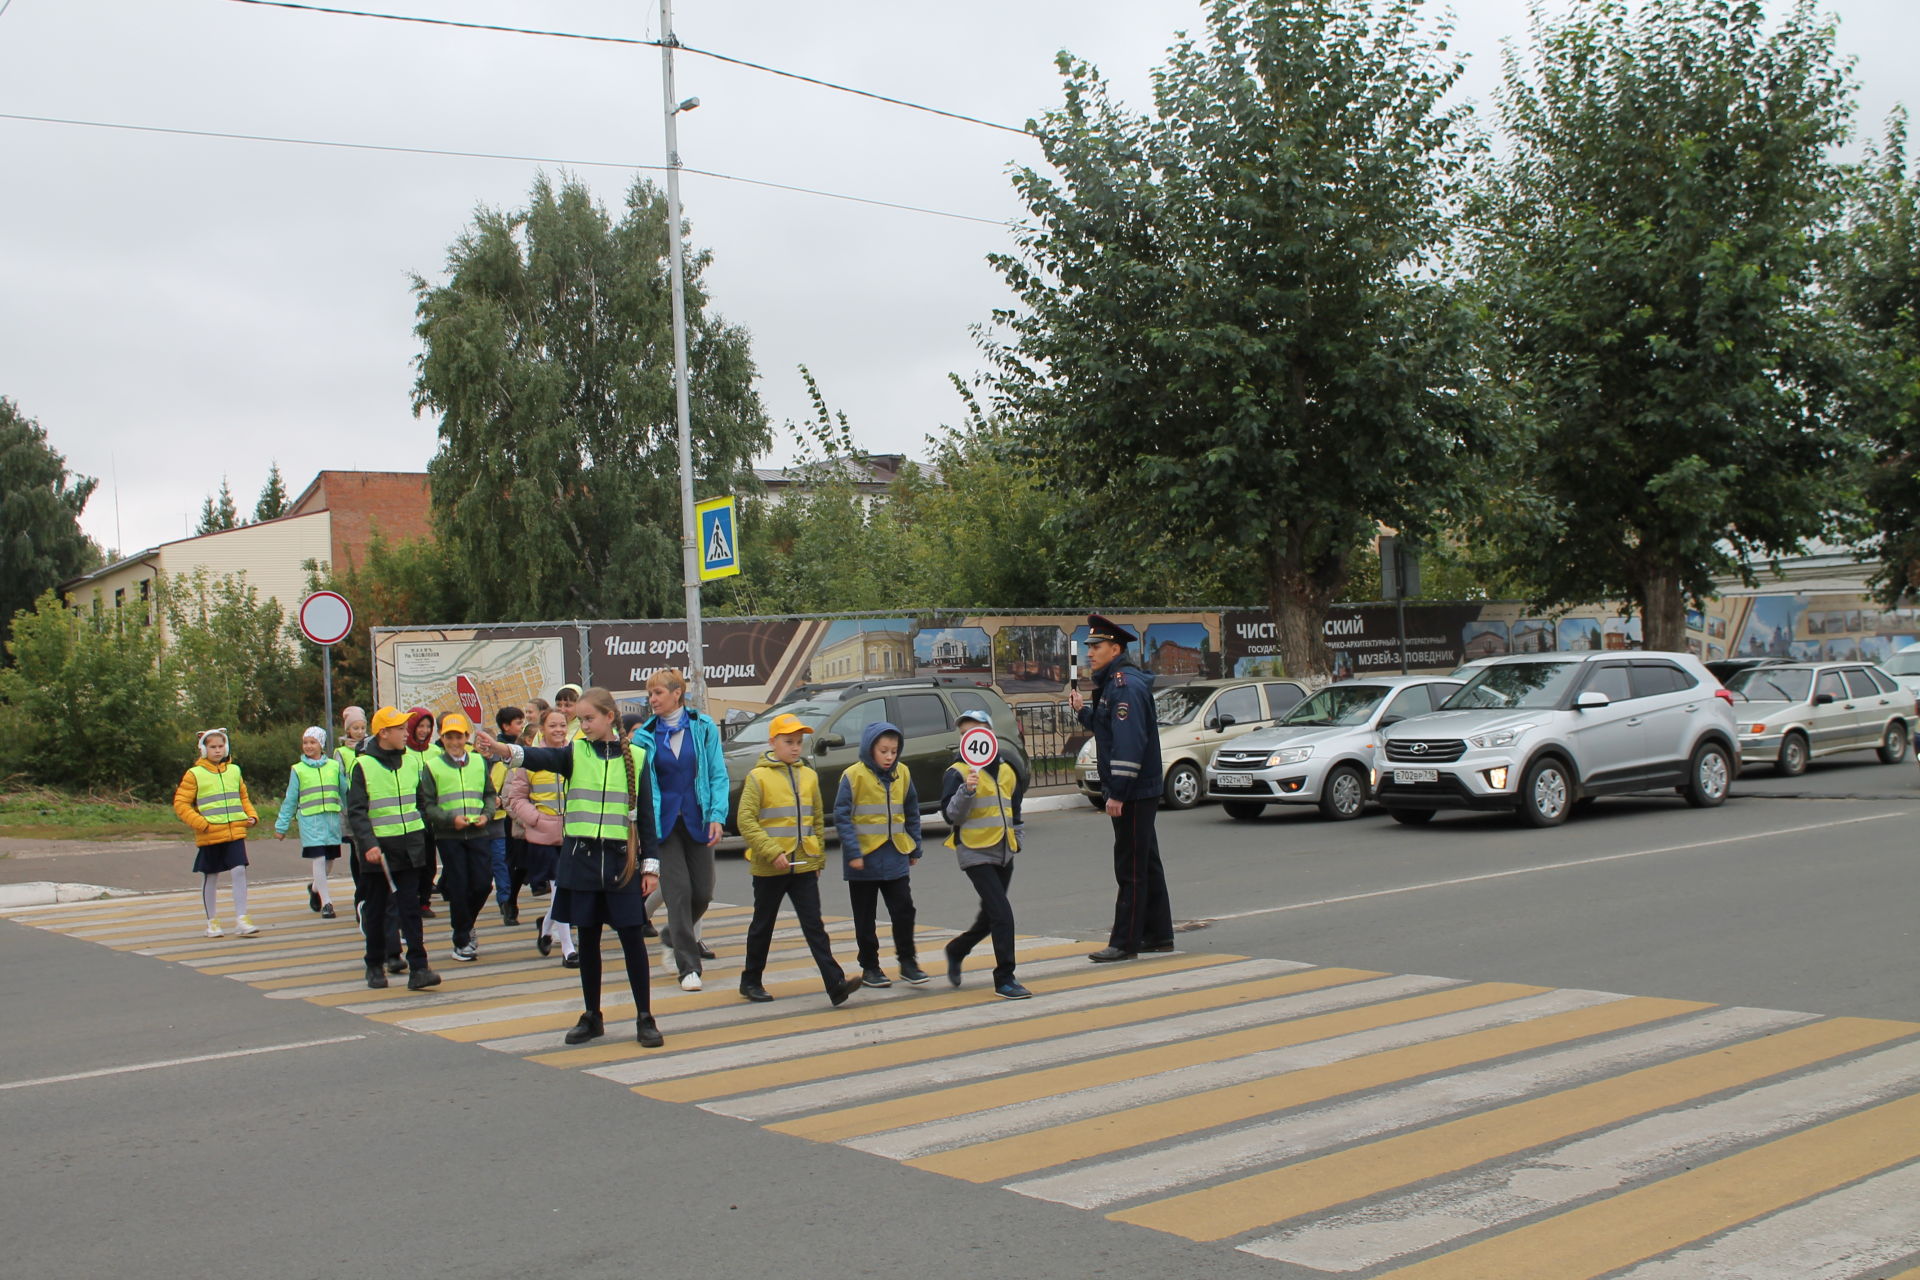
664	727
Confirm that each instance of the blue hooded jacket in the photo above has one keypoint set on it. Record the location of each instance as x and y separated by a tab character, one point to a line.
886	862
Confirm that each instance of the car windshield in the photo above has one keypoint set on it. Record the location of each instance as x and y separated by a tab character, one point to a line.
1338	704
1515	684
1903	664
1181	703
812	711
1772	684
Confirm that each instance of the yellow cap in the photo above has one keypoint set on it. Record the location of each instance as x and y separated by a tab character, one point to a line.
454	722
785	724
386	718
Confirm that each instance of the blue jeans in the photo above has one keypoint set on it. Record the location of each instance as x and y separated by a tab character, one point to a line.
502	877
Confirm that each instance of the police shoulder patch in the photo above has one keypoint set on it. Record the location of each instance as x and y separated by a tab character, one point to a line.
1120	712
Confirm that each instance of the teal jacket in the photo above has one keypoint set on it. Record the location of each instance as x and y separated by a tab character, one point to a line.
710	785
316	829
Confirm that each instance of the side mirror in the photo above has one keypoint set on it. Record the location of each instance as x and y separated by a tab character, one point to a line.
1592	699
1822	699
1387	720
1223	721
828	741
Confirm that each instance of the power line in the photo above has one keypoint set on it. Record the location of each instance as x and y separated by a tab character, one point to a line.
498	155
628	40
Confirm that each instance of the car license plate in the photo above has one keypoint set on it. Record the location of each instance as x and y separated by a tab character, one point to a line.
1232	779
1404	776
1093	777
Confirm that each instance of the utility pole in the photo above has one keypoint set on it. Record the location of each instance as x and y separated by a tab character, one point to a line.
689	527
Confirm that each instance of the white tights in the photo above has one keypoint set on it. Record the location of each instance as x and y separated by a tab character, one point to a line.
210	889
561	931
320	880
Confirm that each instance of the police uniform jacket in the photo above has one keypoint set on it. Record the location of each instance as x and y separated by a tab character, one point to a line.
1126	732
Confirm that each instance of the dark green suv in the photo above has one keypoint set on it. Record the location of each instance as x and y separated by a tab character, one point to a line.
924	709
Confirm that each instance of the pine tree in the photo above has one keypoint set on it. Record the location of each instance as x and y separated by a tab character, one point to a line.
220	514
273	498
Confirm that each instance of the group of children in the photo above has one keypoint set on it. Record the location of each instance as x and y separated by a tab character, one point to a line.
562	800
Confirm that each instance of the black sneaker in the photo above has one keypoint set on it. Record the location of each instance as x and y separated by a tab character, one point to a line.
590	1026
376	977
545	943
755	992
912	974
396	966
648	931
313	898
647	1034
421	979
326	912
1012	991
953	968
875	978
509	915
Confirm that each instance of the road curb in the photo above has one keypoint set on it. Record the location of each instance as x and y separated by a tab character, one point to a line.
48	893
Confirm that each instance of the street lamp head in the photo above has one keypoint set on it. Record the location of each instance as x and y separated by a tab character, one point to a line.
688	105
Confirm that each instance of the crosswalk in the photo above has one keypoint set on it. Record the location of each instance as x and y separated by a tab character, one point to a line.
1340	1121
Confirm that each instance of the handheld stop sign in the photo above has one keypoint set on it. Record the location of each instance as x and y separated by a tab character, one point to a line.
469	696
979	747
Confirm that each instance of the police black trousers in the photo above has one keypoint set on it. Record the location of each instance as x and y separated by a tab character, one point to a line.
990	881
466	876
802	888
1142	912
402	899
866	895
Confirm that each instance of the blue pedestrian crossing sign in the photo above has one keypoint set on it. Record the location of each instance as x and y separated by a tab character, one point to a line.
719	549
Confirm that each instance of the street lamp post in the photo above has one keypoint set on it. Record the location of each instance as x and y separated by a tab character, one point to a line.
689	528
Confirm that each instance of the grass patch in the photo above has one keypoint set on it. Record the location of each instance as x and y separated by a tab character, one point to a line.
42	813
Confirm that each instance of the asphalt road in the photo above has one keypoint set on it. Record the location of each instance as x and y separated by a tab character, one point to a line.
368	1149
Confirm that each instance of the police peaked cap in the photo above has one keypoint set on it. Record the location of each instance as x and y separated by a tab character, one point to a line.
1099	628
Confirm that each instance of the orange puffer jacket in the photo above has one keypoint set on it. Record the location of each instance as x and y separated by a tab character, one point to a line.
188	792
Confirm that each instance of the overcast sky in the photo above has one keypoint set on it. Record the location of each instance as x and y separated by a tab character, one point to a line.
175	308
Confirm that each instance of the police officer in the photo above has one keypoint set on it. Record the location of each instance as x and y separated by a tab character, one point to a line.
1126	739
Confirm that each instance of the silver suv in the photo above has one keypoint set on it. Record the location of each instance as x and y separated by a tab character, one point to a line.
1540	733
1322	752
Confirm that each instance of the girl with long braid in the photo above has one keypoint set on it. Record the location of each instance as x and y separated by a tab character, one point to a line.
607	865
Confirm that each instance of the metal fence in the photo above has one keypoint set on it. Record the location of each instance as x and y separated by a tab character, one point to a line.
1051	735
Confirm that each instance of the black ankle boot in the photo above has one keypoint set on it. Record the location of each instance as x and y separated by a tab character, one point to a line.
590	1026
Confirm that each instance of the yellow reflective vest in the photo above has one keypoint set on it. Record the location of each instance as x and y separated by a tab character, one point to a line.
989	819
879	810
780	813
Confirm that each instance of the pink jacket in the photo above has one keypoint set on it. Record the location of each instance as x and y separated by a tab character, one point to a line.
541	828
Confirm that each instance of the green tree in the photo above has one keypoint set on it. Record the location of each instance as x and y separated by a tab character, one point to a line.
88	701
1876	275
396	584
548	357
218	516
1231	339
41	544
227	651
1652	229
273	501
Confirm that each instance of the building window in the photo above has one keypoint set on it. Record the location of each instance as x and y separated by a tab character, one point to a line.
119	599
146	602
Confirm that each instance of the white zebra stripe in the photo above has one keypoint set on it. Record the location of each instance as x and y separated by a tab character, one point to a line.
1041	1113
868	1085
827	1041
1644	1149
1850	1234
1271	1142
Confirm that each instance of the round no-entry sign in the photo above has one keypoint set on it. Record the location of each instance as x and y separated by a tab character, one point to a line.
326	618
979	746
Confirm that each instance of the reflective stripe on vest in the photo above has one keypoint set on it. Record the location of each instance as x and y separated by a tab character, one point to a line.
322	793
544	790
211	796
393	795
459	787
782	814
879	811
989	819
597	803
346	756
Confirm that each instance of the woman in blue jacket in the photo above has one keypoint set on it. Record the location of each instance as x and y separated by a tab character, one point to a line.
690	813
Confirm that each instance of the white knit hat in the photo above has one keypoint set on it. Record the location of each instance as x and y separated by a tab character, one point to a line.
315	731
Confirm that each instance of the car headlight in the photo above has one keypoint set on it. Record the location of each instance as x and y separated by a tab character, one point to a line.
1288	755
1499	737
1086	754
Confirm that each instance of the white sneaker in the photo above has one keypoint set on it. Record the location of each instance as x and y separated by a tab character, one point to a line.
689	982
214	930
246	929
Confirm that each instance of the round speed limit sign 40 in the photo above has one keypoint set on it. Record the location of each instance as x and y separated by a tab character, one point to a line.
979	747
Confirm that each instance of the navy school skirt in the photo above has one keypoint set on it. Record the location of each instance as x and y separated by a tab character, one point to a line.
212	859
